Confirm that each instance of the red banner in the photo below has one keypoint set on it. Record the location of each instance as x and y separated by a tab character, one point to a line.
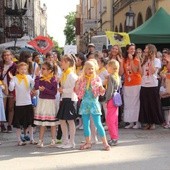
42	44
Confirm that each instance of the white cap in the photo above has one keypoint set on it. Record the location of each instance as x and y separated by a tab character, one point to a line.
91	44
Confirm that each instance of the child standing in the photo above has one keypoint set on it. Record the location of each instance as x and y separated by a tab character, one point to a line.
45	114
88	88
68	106
113	83
23	114
3	89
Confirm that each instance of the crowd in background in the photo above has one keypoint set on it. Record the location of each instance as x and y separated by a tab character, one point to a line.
77	91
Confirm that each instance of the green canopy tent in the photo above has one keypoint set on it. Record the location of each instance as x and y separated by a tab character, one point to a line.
156	30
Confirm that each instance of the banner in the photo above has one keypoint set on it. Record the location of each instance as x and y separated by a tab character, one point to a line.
42	44
118	38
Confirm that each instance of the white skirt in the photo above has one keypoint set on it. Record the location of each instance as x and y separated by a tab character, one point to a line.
45	113
131	96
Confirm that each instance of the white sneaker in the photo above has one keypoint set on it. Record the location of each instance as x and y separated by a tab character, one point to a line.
137	126
68	146
62	145
129	126
40	144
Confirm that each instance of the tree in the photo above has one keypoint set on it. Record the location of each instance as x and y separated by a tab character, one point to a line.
56	46
69	30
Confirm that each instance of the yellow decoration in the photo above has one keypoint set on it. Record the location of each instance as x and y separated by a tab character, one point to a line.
21	77
47	78
118	38
65	74
89	78
101	70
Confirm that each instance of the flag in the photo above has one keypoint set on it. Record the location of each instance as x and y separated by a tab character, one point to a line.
118	38
42	44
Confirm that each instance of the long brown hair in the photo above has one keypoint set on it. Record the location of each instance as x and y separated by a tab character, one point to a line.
151	53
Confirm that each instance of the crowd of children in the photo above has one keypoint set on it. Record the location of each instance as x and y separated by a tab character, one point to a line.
58	93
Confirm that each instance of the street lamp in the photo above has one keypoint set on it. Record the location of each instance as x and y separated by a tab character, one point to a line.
130	15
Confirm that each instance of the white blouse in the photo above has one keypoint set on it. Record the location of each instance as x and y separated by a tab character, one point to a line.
22	93
150	80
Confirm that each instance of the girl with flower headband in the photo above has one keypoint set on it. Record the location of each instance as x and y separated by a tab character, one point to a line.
45	114
67	112
88	88
23	114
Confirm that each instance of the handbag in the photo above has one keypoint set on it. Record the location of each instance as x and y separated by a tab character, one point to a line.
117	99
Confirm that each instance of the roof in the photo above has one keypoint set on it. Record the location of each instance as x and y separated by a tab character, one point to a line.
155	30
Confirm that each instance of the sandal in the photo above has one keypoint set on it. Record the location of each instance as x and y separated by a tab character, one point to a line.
85	146
33	142
20	143
107	148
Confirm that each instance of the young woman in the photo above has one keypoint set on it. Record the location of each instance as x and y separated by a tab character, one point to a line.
150	108
132	83
7	66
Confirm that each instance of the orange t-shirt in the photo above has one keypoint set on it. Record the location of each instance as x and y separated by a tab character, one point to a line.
131	78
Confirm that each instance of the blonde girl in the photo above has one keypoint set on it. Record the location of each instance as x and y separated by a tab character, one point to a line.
113	83
23	113
91	87
67	112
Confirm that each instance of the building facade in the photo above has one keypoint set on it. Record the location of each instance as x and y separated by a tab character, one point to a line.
97	16
94	17
22	17
142	9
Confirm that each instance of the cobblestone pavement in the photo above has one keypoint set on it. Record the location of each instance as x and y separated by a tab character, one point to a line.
137	150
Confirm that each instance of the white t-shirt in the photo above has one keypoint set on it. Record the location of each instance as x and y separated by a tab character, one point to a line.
34	67
103	75
150	80
22	93
68	87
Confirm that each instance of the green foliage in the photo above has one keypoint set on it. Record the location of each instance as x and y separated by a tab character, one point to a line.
56	46
69	30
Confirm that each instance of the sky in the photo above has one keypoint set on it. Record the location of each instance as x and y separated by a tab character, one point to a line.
56	12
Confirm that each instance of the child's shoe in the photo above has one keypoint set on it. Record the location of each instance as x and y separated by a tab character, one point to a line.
27	138
33	142
113	142
22	138
20	143
40	144
53	143
69	146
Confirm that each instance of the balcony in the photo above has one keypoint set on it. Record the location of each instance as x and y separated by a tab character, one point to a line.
120	4
15	12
